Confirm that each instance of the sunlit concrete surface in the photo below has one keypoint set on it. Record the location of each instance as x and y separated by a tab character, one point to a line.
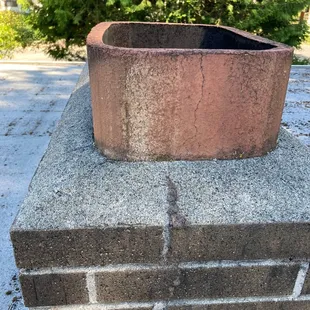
296	116
32	99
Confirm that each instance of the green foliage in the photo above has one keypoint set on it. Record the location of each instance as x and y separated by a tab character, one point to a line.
300	61
15	31
71	20
7	34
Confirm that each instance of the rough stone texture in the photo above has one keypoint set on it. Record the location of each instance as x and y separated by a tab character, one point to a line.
54	289
87	247
306	287
78	192
195	283
281	305
185	91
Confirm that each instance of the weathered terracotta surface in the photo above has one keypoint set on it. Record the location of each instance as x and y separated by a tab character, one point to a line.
171	91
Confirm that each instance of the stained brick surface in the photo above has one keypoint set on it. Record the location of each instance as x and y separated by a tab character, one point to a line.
135	285
240	242
148	285
87	247
54	289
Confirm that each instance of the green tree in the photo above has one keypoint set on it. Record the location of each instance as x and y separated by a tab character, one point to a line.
15	31
71	20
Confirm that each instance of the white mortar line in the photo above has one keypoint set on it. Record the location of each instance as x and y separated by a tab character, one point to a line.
160	306
136	305
236	263
237	300
136	267
182	302
91	287
109	268
300	280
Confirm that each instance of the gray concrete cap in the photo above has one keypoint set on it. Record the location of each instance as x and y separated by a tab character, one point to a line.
76	187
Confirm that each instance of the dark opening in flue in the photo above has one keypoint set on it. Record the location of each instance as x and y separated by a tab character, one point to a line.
139	35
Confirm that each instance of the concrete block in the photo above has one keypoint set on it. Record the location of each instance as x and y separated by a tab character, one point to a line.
87	247
195	283
239	241
135	285
54	289
223	282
